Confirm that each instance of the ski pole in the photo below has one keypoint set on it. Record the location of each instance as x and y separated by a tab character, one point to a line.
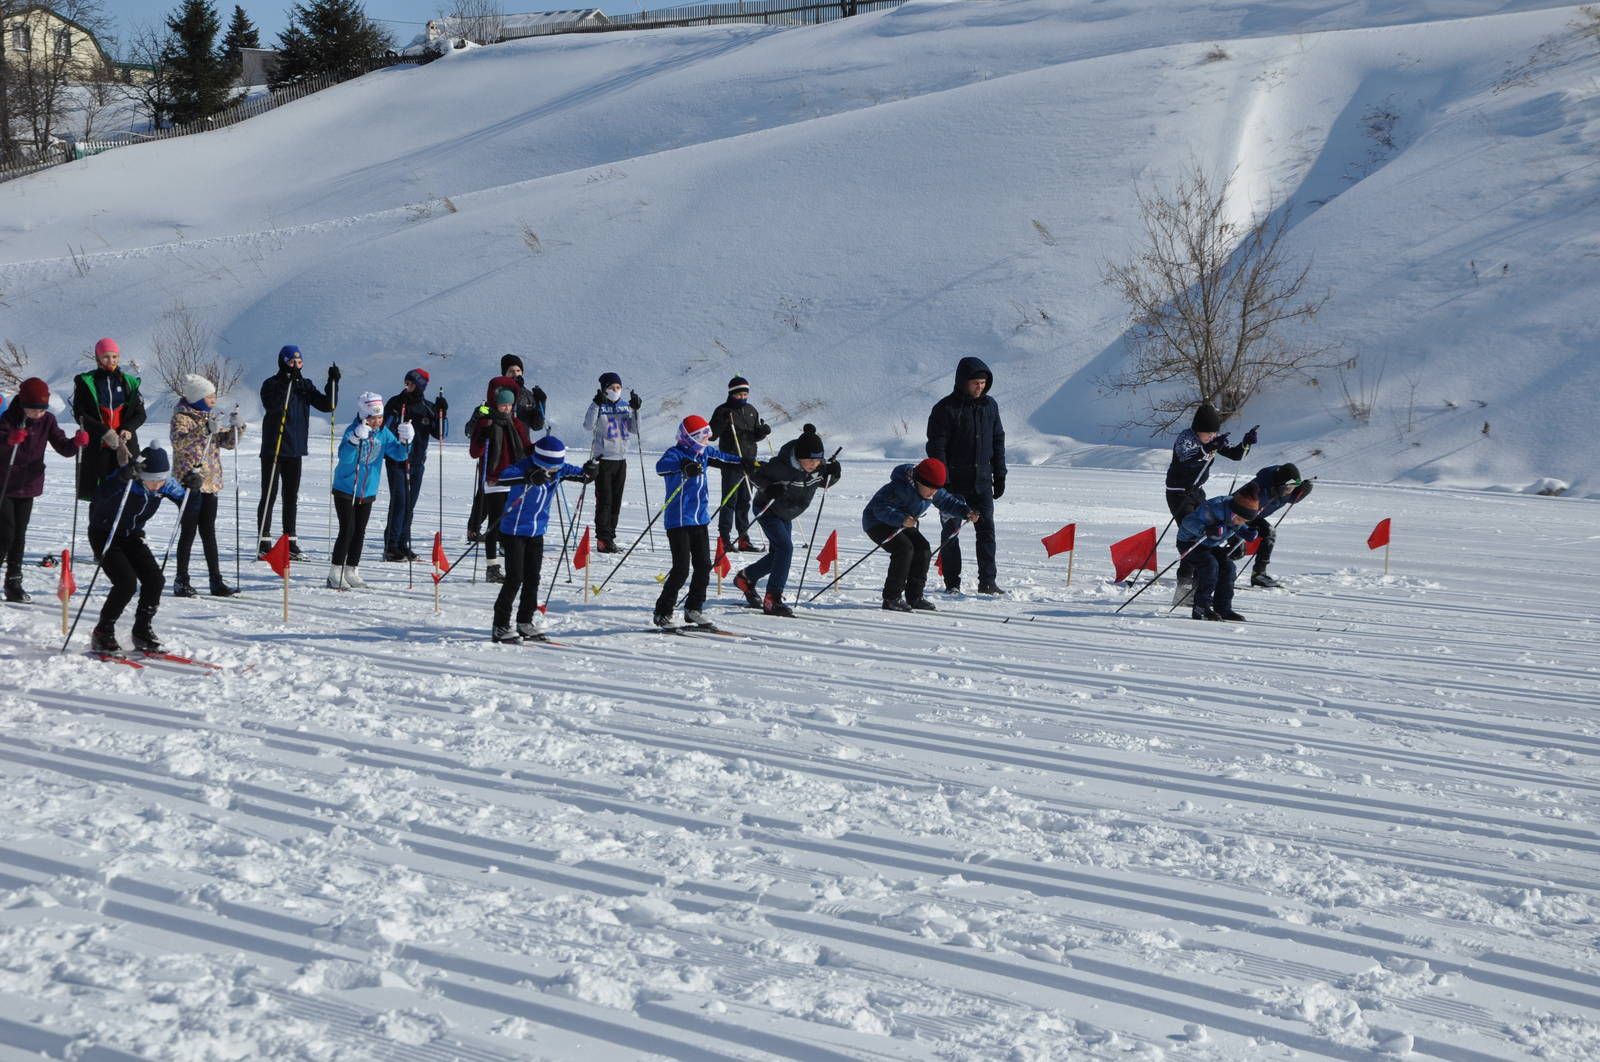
644	477
838	578
636	541
814	525
332	431
76	459
444	429
551	589
99	562
471	550
1210	457
405	504
1159	574
183	507
236	579
1242	456
561	517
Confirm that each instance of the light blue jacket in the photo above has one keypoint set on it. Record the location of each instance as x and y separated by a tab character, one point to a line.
361	460
690	506
528	505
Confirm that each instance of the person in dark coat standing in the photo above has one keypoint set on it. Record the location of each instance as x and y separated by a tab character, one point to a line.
964	432
25	427
106	403
287	399
530	400
737	427
426	418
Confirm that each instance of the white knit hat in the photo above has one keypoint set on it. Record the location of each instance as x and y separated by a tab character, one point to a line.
370	404
193	388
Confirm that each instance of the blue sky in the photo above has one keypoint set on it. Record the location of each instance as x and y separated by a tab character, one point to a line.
404	18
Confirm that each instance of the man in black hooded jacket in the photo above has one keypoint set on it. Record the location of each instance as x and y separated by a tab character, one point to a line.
964	431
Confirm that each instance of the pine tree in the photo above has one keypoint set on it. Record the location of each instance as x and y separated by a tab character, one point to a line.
242	33
329	37
201	81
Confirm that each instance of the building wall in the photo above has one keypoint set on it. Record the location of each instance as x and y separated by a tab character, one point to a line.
87	60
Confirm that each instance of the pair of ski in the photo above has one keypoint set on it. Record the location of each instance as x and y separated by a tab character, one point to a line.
138	658
688	629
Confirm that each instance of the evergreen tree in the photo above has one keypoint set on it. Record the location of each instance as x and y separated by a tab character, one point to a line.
242	33
201	82
329	37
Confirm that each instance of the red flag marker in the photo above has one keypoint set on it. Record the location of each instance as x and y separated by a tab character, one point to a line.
1134	553
441	563
580	556
66	586
829	553
278	558
1380	537
1062	541
722	565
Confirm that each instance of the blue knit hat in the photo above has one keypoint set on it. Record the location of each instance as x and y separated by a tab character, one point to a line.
288	353
550	452
418	378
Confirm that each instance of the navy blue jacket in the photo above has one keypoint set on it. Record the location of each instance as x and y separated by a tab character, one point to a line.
966	434
303	397
898	499
1189	467
136	512
1267	491
783	489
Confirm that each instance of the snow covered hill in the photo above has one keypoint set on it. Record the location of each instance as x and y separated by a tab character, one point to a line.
840	212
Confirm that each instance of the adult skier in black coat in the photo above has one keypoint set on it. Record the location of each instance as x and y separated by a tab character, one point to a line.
964	431
737	427
287	399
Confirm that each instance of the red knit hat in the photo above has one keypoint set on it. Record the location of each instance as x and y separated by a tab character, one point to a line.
930	472
107	346
33	394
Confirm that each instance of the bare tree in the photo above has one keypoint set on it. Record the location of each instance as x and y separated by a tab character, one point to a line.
38	78
149	48
1211	302
95	97
181	344
13	365
479	21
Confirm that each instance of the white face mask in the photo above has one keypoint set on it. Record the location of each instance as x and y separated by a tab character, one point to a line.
613	394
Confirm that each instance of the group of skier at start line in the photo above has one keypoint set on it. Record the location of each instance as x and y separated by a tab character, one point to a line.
518	478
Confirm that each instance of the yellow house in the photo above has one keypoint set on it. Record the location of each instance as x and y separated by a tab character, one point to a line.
36	35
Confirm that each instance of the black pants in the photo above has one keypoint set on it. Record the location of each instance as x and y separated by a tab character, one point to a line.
736	511
352	514
909	555
287	481
608	486
1265	542
475	516
1181	505
494	507
984	504
524	559
14	516
199	514
1213	576
129	566
691	551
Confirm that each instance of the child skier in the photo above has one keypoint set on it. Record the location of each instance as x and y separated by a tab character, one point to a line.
1191	467
499	440
612	423
533	482
1207	536
738	427
355	483
1276	486
687	515
890	519
26	426
195	439
121	506
784	488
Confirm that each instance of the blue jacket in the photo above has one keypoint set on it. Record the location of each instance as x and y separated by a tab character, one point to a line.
690	506
1212	512
361	462
898	499
528	505
1271	500
136	511
1189	467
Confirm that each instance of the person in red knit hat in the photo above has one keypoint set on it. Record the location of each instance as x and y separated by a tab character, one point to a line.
25	427
890	519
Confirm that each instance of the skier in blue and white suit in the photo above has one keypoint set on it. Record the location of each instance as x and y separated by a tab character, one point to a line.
534	481
688	512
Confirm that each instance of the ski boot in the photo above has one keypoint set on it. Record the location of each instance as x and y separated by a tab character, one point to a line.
742	582
1230	615
746	546
662	620
294	550
1200	613
104	640
919	604
693	617
263	547
990	589
895	604
531	631
14	591
774	606
181	587
507	636
494	573
352	577
220	588
390	556
1263	580
144	638
336	578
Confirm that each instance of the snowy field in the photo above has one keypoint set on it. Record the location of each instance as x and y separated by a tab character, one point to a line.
1362	823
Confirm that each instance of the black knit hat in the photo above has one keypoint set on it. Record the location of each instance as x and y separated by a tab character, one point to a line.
1286	475
507	362
809	444
610	379
153	461
1206	418
738	383
1246	503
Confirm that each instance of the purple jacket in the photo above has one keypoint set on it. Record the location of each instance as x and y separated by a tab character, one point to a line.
25	463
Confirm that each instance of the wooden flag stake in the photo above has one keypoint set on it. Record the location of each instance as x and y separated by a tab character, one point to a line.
286	597
1071	553
1386	560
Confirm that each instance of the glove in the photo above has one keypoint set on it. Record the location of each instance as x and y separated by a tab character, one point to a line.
334	375
634	401
538	397
131	470
748	464
237	420
1300	494
1250	436
999	484
1248	533
972	516
484	411
18	436
1218	443
691	468
406	432
599	397
591	469
81	439
441	406
111	440
537	476
831	473
762	431
193	479
361	432
1216	531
